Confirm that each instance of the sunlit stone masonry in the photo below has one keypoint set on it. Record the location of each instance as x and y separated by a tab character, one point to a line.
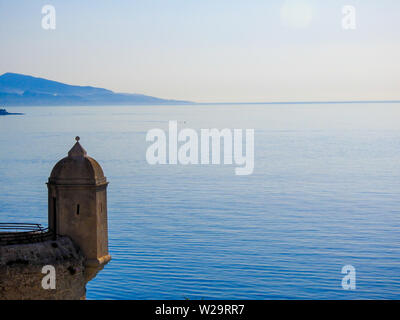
57	262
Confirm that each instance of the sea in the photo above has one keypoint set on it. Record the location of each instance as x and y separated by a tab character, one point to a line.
324	194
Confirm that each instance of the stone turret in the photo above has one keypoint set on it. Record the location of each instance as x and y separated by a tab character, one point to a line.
77	195
77	190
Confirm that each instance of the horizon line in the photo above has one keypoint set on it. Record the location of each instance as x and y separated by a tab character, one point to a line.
215	103
306	102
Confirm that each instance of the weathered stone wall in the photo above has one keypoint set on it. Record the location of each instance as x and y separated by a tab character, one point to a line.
21	270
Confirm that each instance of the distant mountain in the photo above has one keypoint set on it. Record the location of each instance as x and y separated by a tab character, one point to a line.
22	90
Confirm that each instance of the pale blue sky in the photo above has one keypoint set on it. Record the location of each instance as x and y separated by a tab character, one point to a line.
203	50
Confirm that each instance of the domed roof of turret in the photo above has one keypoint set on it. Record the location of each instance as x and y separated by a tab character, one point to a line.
77	169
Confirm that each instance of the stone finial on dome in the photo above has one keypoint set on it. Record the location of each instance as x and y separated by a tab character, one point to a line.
77	169
77	150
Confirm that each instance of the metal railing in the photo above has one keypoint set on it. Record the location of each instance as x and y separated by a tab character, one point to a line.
19	233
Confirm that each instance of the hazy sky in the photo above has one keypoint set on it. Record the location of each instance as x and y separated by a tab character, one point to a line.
210	50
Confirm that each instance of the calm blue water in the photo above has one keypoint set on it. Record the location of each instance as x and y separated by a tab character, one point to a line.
325	193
